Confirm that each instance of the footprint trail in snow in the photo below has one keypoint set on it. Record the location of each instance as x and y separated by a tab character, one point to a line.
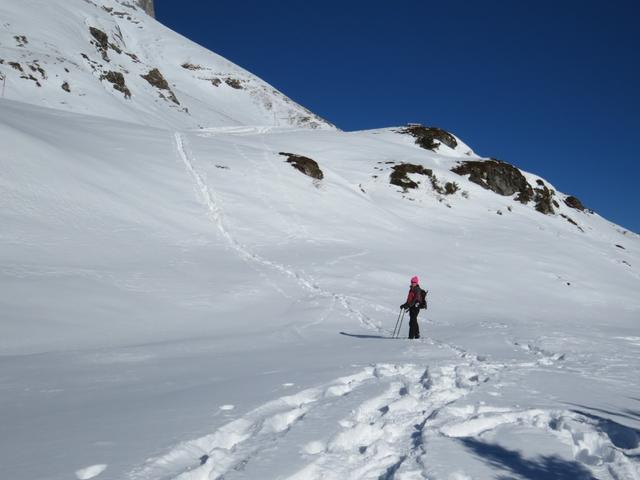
380	422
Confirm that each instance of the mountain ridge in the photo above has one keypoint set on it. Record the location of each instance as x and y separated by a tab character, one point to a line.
113	59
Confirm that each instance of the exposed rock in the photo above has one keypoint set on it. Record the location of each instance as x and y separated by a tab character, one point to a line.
620	246
16	66
21	40
573	202
216	82
66	87
117	79
191	66
450	188
133	57
101	41
233	83
155	78
115	48
571	221
399	175
32	78
147	6
499	177
544	199
428	137
35	67
304	164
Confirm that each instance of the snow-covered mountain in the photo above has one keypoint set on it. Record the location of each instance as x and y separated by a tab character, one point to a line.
198	296
111	59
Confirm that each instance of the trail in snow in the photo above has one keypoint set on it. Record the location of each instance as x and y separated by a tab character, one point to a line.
385	435
216	215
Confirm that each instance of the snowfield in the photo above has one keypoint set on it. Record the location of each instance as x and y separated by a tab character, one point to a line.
179	302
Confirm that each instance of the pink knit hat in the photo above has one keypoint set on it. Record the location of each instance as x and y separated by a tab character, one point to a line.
415	279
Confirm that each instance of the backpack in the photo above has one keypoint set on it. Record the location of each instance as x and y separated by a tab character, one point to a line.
423	301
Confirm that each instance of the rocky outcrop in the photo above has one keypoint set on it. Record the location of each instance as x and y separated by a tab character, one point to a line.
430	138
573	202
101	41
117	79
147	6
305	165
399	175
155	78
233	83
499	177
544	199
505	179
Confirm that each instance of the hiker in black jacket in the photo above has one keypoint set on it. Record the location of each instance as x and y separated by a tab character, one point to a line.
414	300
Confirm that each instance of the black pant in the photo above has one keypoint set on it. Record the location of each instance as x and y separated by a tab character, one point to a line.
414	330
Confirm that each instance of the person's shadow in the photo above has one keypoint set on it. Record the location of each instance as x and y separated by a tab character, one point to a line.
380	337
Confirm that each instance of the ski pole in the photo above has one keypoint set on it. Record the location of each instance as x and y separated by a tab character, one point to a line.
393	335
400	327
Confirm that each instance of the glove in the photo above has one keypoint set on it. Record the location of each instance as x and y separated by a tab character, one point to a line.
404	305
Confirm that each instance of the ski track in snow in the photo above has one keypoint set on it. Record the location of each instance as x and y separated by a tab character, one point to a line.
385	436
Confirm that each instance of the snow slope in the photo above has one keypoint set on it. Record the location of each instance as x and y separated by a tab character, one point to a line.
47	46
179	302
171	295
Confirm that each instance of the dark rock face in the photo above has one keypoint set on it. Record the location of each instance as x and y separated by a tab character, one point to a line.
101	37
573	202
233	83
147	6
497	176
117	79
428	137
101	41
155	78
399	175
305	165
505	179
544	199
191	66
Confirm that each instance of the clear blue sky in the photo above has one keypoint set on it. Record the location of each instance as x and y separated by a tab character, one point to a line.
550	86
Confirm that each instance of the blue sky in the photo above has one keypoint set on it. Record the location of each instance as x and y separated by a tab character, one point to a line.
551	87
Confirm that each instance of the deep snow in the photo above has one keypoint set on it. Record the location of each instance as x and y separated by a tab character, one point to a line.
179	302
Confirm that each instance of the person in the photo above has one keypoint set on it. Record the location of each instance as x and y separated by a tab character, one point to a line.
414	298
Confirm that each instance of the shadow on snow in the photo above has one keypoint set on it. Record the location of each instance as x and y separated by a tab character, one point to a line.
370	336
545	467
621	436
